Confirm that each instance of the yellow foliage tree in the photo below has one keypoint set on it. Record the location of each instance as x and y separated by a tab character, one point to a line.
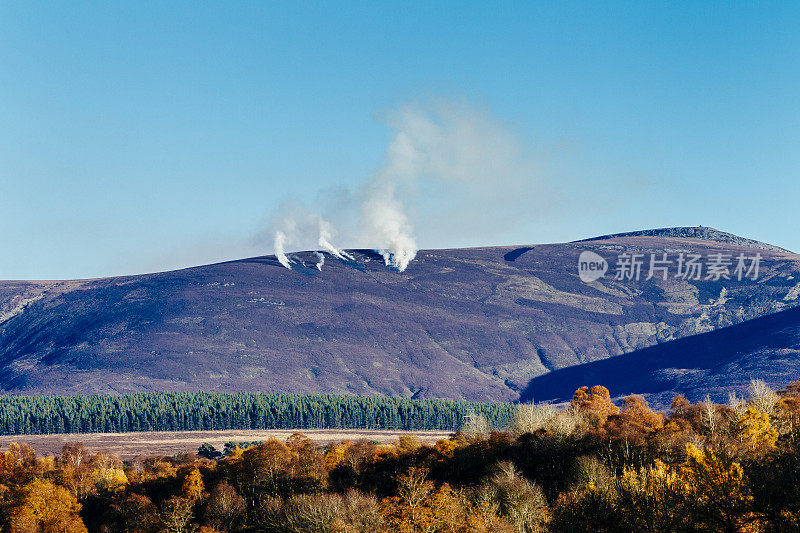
20	460
445	447
109	478
650	499
47	508
193	486
336	454
716	490
754	428
408	444
262	469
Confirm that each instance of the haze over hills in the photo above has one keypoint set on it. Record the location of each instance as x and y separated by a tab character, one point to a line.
476	323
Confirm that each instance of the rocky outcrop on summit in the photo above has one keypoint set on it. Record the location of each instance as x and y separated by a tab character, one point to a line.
702	233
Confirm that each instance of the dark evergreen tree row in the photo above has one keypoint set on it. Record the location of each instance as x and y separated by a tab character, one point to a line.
217	411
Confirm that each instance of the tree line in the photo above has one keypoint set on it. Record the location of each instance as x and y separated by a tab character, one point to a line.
594	466
203	411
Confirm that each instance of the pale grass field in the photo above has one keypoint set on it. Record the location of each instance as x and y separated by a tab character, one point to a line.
129	445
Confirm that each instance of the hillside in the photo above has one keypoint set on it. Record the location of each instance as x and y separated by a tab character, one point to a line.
477	324
714	364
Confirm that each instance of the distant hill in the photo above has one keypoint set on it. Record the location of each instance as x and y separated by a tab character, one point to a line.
476	324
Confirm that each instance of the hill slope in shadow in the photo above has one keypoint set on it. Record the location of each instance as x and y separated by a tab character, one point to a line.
713	364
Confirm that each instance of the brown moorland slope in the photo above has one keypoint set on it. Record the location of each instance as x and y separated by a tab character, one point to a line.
476	323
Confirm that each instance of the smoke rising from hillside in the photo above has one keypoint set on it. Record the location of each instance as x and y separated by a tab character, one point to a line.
280	244
447	152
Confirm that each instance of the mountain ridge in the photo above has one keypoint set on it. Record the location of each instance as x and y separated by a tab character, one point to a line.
477	323
691	232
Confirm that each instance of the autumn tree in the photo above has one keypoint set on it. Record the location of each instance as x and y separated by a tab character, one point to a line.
307	467
410	510
347	462
636	420
754	429
518	500
652	499
421	507
629	432
44	507
74	455
225	508
110	478
786	418
19	463
177	514
262	470
596	402
74	470
133	513
193	487
717	489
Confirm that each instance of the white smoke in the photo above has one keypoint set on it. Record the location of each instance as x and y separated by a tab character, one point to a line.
386	224
325	234
469	162
297	227
280	252
320	260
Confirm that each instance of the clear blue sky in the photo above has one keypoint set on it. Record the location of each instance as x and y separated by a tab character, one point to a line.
139	136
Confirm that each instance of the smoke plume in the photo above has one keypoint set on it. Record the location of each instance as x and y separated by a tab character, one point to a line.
320	260
447	154
325	234
280	253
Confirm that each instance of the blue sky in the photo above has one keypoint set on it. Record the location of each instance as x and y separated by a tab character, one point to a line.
138	137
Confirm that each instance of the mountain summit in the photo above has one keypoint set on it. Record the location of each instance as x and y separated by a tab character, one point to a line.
477	323
703	233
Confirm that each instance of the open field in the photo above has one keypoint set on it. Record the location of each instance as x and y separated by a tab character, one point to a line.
128	445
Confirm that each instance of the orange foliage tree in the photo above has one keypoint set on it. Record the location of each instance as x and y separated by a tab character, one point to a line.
595	402
420	507
44	507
